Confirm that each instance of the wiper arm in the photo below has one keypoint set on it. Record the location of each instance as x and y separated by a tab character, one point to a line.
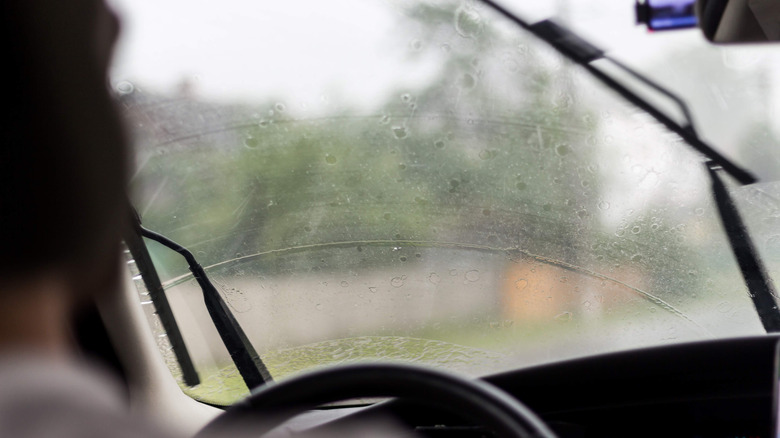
244	356
584	53
143	261
759	284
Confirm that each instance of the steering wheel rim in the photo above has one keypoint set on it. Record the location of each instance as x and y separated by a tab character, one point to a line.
479	400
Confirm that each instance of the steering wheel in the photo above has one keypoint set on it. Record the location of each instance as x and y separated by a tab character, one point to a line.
271	405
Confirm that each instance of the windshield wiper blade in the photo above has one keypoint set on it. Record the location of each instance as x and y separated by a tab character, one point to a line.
584	53
757	280
244	356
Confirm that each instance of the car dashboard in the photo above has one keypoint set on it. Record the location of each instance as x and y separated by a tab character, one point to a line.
721	388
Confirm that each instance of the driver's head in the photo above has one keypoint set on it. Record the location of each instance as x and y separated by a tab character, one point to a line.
63	162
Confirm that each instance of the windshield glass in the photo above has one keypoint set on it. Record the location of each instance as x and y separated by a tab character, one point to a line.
425	182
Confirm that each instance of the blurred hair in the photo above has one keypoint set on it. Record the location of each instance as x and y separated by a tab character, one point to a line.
63	163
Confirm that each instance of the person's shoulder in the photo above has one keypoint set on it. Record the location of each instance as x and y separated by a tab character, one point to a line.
45	397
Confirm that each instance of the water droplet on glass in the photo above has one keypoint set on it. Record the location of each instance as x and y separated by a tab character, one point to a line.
468	22
564	316
472	275
372	290
603	205
439	144
125	87
453	272
384	120
280	107
636	258
406	97
562	150
699	211
344	284
521	284
434	278
486	212
486	154
636	229
251	142
468	81
397	281
400	132
318	307
402	258
415	45
307	228
330	159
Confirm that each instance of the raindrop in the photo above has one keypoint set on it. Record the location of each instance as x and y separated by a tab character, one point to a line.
468	81
263	123
372	290
453	272
125	87
636	229
400	132
603	205
487	154
562	150
468	22
521	185
384	120
307	228
318	307
344	284
699	211
386	216
251	142
406	97
521	284
397	281
563	316
330	159
415	45
439	144
280	107
486	212
402	258
472	275
564	279
636	258
434	278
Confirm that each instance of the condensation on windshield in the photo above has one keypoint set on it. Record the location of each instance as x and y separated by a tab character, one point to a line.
469	201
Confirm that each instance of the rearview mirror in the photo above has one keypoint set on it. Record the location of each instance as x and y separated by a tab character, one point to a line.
739	21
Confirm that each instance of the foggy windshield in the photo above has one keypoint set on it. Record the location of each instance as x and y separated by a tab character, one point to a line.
422	181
